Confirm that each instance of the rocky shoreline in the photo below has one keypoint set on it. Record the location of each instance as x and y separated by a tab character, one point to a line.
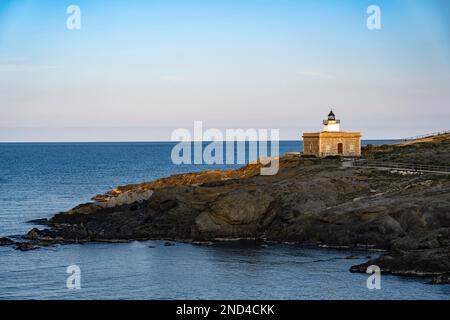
318	202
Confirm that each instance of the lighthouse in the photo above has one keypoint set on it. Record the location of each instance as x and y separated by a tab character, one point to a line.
332	141
331	124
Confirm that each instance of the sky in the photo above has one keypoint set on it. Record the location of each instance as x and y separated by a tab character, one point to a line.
138	70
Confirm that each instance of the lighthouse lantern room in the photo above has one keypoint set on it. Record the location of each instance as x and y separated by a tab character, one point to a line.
331	124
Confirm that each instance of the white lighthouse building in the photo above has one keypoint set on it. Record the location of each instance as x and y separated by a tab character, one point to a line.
332	141
331	124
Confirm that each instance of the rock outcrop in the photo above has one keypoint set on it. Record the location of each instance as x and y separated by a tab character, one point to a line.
310	201
6	242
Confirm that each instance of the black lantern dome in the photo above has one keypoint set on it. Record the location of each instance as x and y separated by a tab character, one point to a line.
331	115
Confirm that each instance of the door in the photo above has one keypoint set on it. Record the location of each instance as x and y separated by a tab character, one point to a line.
340	148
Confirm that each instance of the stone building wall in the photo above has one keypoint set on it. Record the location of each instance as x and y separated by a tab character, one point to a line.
324	144
311	145
350	146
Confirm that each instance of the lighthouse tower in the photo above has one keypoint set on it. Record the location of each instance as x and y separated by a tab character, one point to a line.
331	124
332	141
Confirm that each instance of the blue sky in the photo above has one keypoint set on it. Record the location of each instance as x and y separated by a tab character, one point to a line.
137	70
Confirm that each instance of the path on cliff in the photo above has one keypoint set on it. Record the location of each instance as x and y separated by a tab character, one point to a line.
385	165
406	156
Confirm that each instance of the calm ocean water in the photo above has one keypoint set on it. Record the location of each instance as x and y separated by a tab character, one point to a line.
38	180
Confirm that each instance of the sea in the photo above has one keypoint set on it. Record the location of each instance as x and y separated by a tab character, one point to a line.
38	180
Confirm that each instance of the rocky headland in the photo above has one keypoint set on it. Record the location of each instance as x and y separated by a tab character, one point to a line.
311	201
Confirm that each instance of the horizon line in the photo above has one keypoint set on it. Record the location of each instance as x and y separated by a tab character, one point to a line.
168	141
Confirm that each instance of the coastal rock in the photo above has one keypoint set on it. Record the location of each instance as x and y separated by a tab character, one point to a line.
25	246
42	235
236	214
314	201
441	279
6	242
428	262
43	221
